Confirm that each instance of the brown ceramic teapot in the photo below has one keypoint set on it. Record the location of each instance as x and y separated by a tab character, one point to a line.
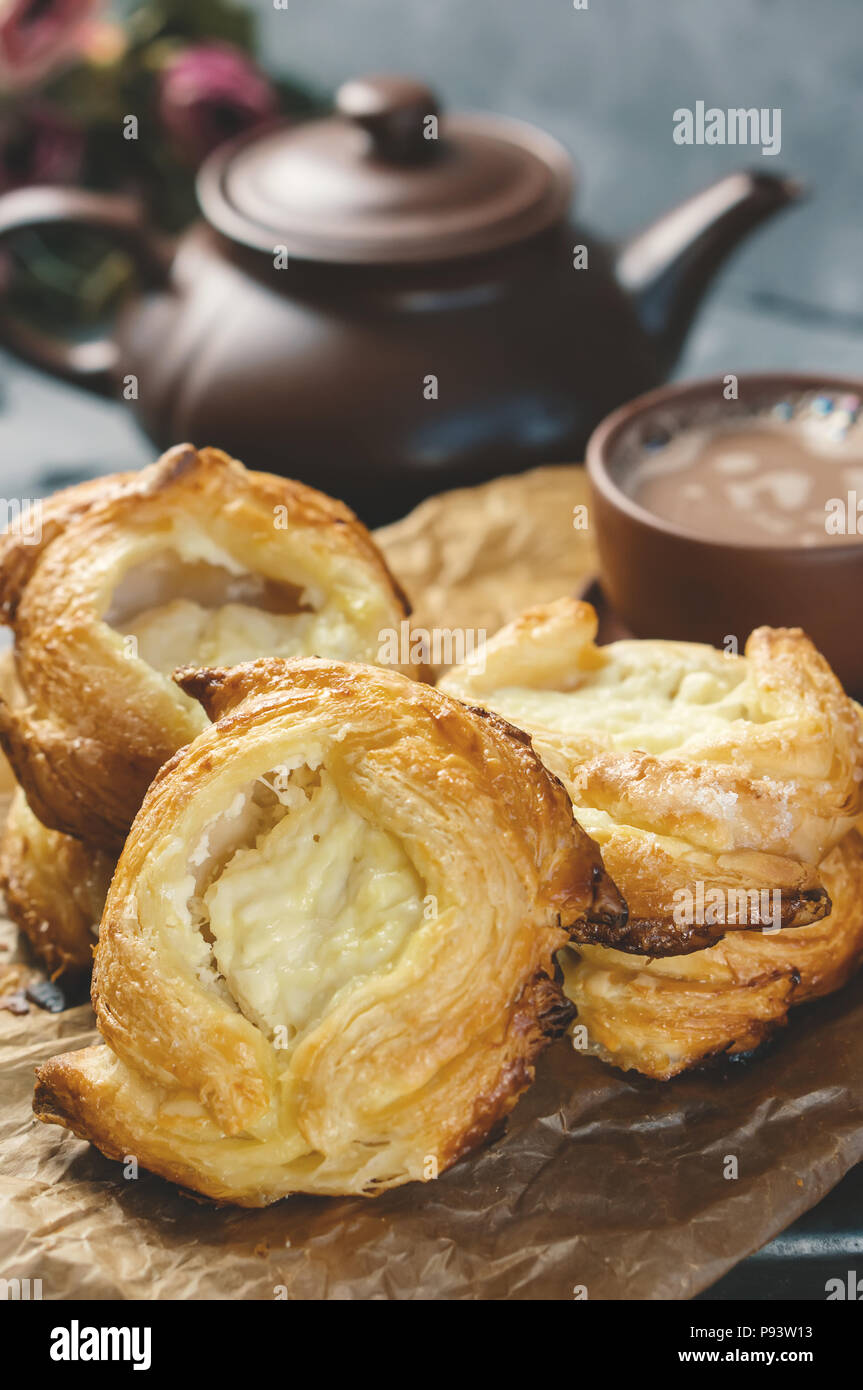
390	301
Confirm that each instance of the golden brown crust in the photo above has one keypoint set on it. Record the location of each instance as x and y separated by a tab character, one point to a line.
662	1017
9	691
417	1053
96	720
55	888
22	547
753	776
53	885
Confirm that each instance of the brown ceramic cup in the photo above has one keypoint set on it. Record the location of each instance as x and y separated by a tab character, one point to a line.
664	581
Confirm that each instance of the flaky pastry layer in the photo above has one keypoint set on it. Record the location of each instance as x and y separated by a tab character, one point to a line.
326	962
687	765
54	886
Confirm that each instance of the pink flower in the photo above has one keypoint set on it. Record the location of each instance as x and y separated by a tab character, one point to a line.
209	93
36	36
39	146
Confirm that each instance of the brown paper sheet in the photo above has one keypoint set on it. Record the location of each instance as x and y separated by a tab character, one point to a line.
612	1185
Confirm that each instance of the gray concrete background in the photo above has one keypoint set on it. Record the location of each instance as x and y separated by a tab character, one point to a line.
605	81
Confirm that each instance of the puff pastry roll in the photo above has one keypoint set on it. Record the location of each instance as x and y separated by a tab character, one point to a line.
705	778
193	560
661	1017
326	962
54	886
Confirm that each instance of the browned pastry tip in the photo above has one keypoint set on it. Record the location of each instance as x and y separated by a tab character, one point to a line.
665	1016
218	690
644	936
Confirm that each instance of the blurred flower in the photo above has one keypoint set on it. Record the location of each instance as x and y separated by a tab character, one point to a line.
209	93
39	146
103	42
36	36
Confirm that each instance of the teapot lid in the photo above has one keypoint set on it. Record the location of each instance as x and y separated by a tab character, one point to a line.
387	179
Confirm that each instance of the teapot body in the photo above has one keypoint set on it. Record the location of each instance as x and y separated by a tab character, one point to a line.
438	320
382	385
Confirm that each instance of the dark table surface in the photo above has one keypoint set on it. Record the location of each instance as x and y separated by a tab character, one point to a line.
822	1245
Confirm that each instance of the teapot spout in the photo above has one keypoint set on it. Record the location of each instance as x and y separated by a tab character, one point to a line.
667	267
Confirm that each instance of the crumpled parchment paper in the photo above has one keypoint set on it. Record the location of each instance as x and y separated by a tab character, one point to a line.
602	1186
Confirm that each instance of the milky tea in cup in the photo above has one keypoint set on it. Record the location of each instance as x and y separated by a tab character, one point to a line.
790	474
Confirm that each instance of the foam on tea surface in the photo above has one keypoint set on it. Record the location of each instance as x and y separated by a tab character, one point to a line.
790	475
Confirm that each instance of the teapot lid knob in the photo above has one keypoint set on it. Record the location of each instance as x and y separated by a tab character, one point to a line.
395	111
387	180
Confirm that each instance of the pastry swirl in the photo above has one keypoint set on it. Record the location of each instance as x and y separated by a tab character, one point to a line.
326	962
194	560
688	766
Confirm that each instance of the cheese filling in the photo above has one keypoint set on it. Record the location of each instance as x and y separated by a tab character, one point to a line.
652	705
183	632
319	900
193	604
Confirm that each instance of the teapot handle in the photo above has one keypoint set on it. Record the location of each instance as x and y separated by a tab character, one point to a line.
90	363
